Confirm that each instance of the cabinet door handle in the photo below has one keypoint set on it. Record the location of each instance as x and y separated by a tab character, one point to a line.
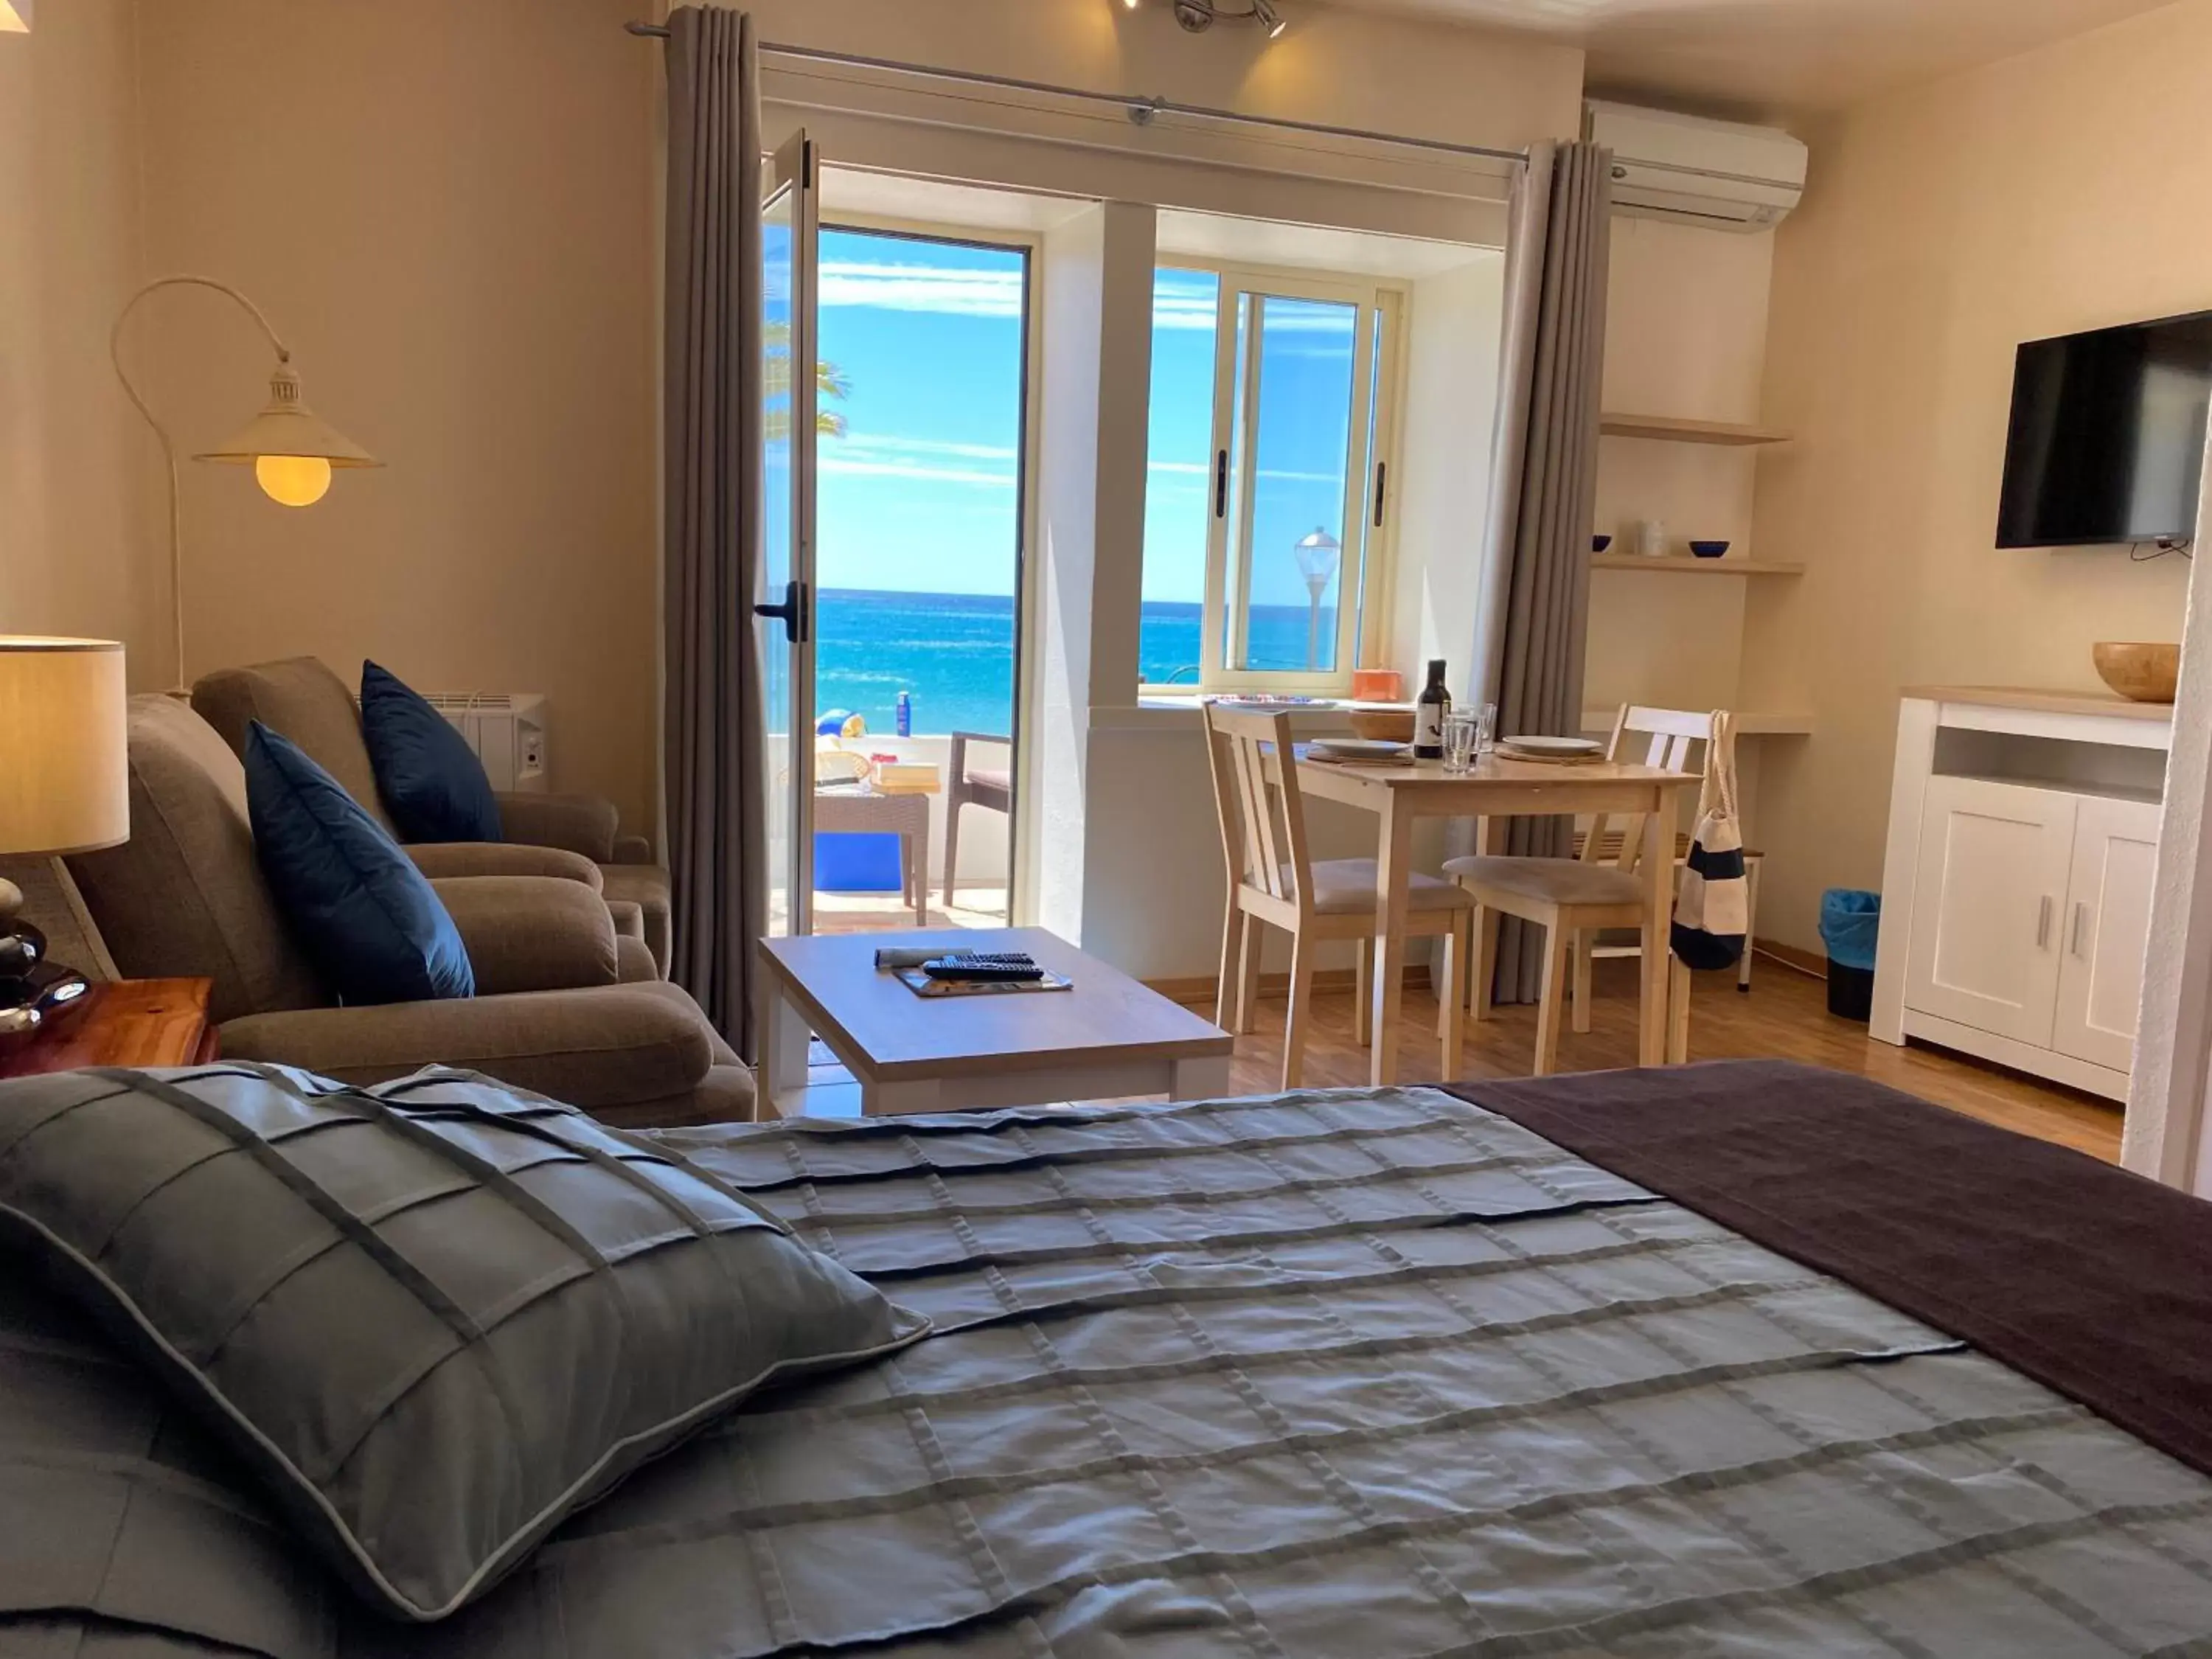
2080	921
2042	924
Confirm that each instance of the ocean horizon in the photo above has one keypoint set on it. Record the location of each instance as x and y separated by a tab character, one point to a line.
953	653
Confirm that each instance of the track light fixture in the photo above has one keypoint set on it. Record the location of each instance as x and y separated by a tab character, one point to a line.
1199	16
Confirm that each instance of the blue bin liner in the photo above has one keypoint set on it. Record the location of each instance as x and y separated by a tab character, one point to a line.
848	862
1850	922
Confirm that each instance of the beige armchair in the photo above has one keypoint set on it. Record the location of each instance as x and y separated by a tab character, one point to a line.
309	704
566	1007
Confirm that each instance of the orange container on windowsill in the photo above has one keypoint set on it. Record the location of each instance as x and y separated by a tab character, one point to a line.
1377	686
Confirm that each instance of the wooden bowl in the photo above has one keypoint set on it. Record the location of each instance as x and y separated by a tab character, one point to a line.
1383	725
2139	672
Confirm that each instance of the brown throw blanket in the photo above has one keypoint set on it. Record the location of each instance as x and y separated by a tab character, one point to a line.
2095	1282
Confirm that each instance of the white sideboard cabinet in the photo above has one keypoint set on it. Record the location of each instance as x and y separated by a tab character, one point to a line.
2023	838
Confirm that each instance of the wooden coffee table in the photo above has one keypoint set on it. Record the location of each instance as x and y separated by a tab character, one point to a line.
1106	1038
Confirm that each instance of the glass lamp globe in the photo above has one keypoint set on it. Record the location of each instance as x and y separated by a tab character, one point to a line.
292	480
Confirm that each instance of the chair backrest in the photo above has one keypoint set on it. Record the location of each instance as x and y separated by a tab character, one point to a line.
1255	791
304	701
1668	739
184	897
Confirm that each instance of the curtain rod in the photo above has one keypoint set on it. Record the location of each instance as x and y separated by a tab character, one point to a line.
1139	110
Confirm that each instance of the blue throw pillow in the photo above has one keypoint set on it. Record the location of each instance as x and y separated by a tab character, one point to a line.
432	783
363	913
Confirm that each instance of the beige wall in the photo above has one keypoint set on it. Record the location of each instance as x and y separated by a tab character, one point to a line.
78	507
1335	64
1443	496
444	208
2048	193
1685	336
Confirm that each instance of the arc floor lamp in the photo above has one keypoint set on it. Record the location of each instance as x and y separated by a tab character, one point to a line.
291	449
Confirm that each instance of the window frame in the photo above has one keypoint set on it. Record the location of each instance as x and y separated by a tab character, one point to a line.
1369	522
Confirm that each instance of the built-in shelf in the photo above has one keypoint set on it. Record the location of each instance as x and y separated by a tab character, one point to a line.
1669	429
1684	565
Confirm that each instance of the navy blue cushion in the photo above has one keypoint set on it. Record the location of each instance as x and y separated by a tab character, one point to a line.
363	913
432	783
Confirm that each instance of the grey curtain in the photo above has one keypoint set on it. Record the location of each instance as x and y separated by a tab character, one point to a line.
1535	603
713	730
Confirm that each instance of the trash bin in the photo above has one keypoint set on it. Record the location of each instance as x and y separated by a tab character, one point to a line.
1850	921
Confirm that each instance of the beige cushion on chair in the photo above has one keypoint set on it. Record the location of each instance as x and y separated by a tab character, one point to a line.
1557	881
1342	886
305	701
184	897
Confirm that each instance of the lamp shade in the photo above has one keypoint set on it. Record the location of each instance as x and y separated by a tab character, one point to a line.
64	768
287	428
14	16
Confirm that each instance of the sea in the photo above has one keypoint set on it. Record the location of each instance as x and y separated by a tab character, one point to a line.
953	653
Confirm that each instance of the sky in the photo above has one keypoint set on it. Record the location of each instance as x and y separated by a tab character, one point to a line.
919	495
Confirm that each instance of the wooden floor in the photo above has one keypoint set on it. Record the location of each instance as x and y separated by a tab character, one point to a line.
1784	1017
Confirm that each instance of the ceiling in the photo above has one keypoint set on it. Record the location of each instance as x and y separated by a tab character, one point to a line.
1771	57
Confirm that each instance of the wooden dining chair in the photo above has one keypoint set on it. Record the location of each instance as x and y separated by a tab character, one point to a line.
1274	880
1571	899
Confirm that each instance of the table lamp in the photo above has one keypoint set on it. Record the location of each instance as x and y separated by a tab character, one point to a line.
64	787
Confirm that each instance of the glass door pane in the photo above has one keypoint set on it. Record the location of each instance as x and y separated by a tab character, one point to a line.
1298	413
784	606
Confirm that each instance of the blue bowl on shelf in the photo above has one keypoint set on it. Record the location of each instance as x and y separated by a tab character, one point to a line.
1599	543
1708	550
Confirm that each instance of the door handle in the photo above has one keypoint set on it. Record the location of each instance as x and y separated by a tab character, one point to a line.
791	611
2080	920
2043	924
1221	483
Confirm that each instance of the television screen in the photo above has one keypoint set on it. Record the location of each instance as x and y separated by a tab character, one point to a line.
2107	441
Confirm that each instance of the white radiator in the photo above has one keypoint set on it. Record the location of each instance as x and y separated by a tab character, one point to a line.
507	730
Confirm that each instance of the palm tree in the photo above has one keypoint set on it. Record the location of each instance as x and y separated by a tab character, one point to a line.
830	381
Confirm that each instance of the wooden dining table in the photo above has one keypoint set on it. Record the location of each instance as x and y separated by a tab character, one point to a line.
1402	793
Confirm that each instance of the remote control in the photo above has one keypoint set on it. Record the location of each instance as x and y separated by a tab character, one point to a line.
975	965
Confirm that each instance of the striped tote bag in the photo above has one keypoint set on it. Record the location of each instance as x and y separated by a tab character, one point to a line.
1713	913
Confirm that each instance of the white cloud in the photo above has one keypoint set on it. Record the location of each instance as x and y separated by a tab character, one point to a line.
951	475
949	293
872	442
923	460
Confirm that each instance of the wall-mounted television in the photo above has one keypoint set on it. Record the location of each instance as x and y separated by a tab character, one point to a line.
2107	441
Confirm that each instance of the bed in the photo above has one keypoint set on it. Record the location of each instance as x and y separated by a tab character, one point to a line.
1742	1358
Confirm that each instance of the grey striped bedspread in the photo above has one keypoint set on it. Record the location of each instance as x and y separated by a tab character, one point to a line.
1368	1374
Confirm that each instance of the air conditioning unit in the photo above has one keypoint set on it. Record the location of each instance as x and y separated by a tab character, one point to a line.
507	730
1714	173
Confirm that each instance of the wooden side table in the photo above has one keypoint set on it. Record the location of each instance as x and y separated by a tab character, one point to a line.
129	1022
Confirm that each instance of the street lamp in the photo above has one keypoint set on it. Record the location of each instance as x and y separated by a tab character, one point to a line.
1318	556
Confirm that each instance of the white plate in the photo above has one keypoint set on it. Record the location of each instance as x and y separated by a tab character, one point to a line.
1553	745
1355	748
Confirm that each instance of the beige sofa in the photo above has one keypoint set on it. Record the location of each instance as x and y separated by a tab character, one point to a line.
305	701
565	1006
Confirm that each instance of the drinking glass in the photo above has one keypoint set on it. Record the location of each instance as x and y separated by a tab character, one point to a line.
1485	728
1461	740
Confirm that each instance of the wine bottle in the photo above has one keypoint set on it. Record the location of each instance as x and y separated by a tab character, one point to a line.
1429	713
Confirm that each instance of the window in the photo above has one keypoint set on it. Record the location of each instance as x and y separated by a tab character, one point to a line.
1269	432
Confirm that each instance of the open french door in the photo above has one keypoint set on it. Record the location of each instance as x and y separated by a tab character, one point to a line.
785	608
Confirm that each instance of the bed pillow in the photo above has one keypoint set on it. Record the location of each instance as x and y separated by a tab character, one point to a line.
371	922
432	784
434	1318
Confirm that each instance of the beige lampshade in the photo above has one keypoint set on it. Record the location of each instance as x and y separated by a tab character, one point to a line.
288	428
14	16
64	770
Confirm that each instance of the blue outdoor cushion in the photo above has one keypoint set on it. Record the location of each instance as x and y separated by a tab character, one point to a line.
432	783
363	913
